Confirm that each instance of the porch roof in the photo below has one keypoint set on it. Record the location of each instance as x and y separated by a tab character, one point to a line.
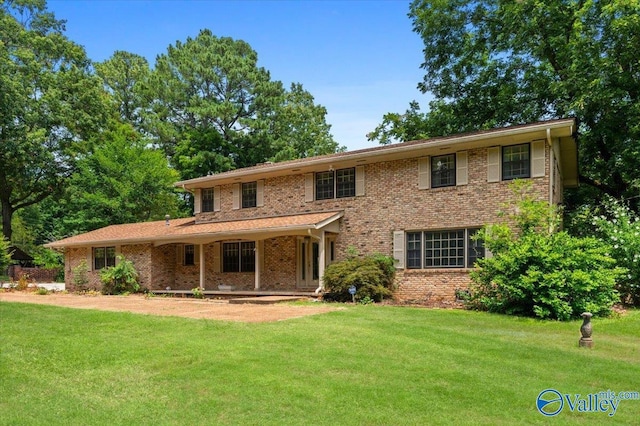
187	230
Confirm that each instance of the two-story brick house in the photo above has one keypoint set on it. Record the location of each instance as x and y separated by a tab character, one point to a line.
275	227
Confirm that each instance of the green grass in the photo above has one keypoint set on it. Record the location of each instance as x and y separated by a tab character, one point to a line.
364	365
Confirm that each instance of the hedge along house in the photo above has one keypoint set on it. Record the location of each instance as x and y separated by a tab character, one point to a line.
276	226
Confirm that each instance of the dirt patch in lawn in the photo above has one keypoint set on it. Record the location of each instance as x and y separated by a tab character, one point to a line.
172	306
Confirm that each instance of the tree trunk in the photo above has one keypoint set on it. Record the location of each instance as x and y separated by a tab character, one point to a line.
7	214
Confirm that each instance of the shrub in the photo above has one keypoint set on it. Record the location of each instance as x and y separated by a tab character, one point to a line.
5	255
618	226
538	272
120	279
80	278
371	275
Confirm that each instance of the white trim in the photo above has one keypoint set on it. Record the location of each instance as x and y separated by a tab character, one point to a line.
462	168
308	187
197	201
424	173
359	181
494	161
398	248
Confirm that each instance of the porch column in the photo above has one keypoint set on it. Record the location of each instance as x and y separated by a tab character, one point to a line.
258	254
202	268
322	260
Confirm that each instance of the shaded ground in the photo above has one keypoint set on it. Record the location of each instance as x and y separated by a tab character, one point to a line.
171	306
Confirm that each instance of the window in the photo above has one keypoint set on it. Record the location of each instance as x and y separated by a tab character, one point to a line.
239	257
443	170
324	185
207	200
516	162
346	183
249	194
336	184
443	249
104	257
189	254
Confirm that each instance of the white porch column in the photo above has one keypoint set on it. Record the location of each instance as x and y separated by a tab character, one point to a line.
258	254
322	260
202	268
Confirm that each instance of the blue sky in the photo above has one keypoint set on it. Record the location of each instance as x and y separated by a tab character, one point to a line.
360	59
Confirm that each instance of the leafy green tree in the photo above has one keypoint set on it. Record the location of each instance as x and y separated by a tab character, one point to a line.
300	129
122	181
49	104
125	76
537	271
496	63
214	109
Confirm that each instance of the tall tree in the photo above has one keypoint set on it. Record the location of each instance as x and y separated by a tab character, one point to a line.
214	109
125	75
49	103
122	180
300	129
493	63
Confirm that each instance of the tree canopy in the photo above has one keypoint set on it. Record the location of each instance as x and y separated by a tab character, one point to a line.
497	63
212	109
49	104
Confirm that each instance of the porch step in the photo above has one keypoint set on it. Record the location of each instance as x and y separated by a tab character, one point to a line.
267	300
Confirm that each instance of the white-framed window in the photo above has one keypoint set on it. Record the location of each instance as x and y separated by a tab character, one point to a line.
450	248
443	170
516	161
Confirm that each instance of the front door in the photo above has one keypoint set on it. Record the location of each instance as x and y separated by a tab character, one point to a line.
308	266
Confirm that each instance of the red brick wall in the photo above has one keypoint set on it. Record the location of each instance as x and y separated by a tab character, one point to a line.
392	202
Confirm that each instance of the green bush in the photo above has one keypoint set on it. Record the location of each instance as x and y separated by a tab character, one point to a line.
619	227
80	277
547	276
371	275
5	255
120	279
538	272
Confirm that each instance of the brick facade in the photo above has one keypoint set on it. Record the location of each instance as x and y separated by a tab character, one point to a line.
392	202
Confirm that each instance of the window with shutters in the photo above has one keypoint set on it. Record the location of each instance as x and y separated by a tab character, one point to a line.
516	162
249	194
335	184
207	200
455	248
443	170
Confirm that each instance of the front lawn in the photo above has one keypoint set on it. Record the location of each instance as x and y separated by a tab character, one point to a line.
365	365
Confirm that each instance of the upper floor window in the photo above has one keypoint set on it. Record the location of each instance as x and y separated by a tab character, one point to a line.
455	248
443	170
516	162
336	184
249	194
207	199
104	257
